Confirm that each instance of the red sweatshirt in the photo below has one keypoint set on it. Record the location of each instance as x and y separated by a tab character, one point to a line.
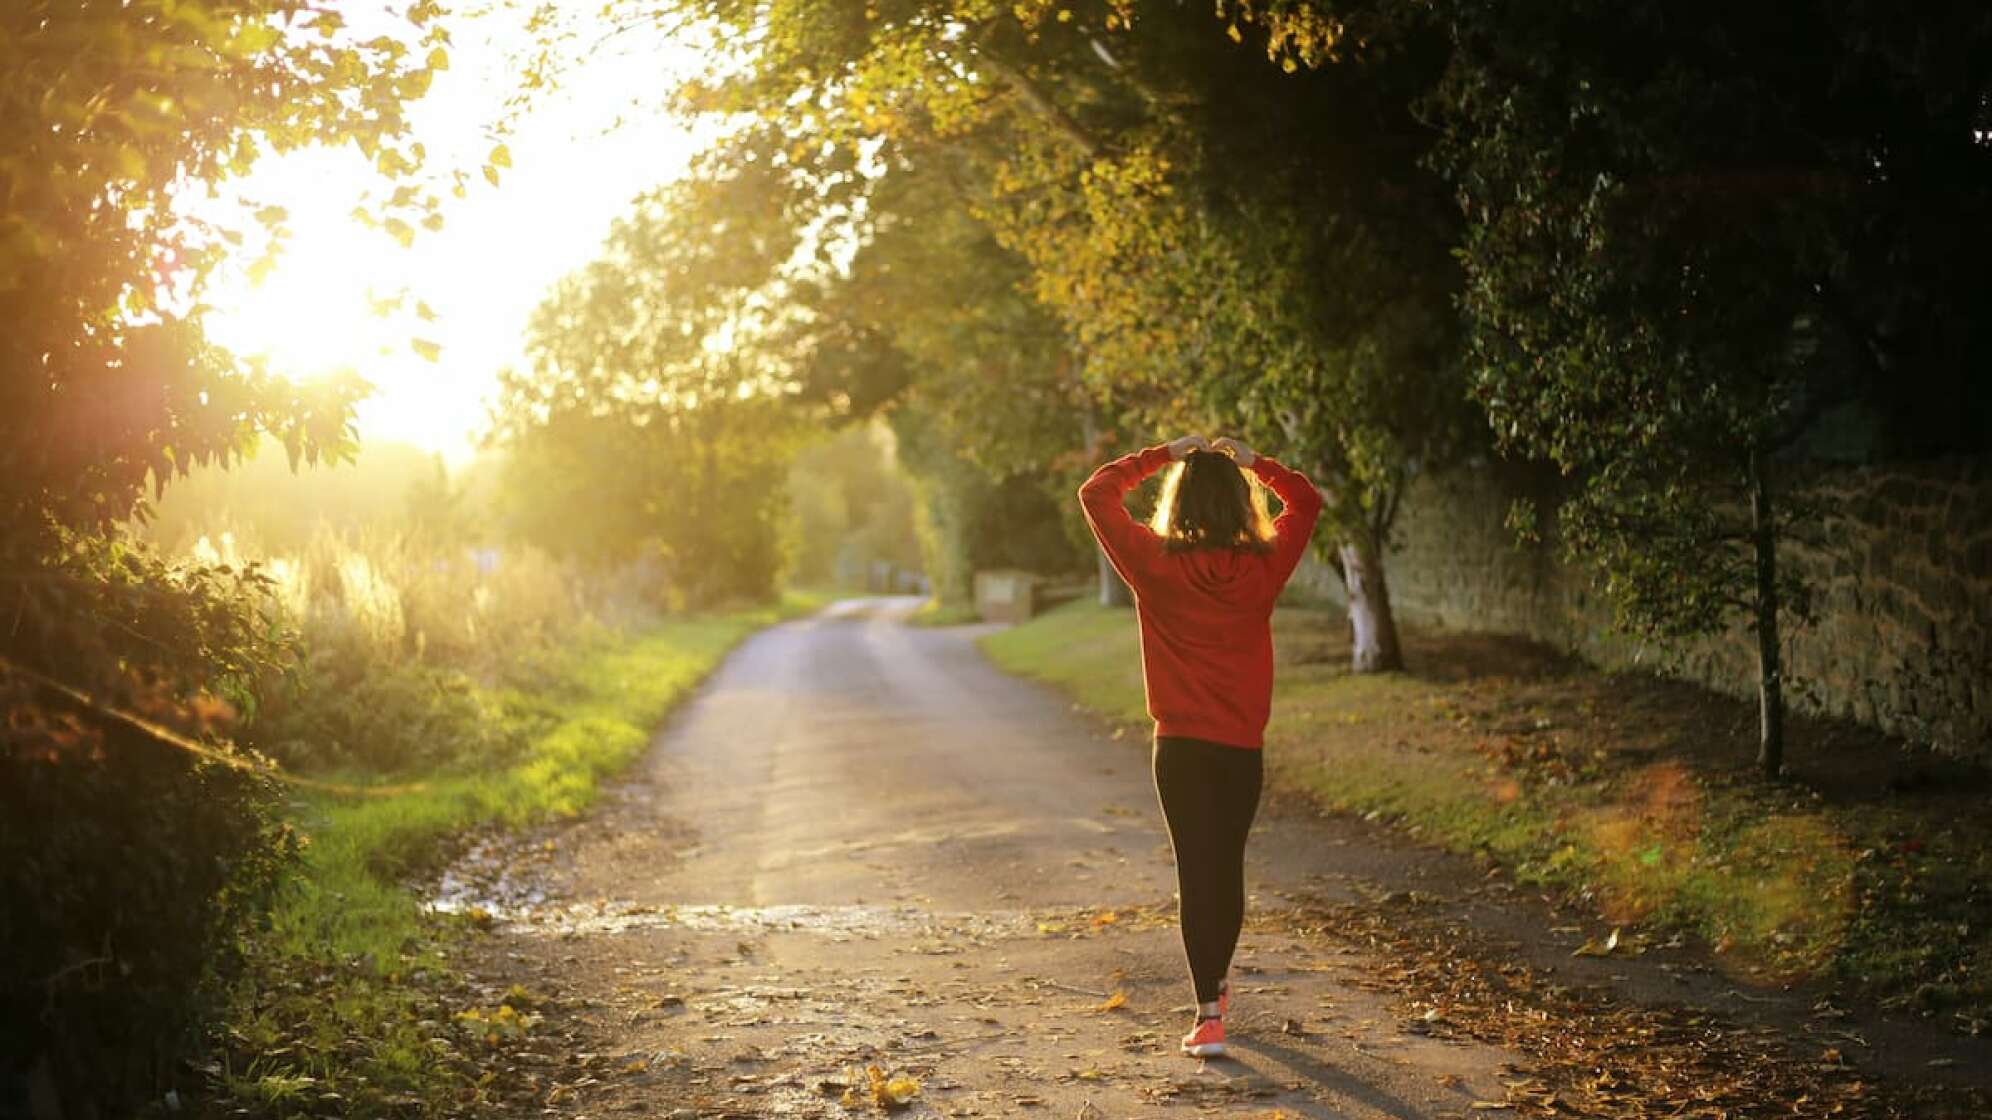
1205	614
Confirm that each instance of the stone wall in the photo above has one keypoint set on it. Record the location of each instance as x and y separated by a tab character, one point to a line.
1901	572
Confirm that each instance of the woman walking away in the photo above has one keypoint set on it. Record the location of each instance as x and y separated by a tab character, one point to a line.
1204	574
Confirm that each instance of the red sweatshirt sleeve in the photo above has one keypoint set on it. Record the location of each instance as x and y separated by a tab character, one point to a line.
1130	547
1301	504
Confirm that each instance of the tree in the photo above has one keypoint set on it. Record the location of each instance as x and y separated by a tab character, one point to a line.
438	509
131	867
651	421
988	406
1693	230
1104	147
878	293
854	506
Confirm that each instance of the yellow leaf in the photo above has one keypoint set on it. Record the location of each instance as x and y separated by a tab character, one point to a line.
430	351
501	156
890	1092
1596	948
1118	999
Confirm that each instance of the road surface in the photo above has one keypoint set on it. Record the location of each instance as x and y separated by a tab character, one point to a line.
858	844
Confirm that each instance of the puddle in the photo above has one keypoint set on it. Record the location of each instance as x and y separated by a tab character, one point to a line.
500	875
834	922
505	880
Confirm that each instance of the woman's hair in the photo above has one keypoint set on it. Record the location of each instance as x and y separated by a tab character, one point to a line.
1207	502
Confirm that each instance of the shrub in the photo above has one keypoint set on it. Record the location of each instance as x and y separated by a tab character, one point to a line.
131	871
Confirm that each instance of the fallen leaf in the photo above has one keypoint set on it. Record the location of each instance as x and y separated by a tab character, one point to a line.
1118	999
887	1092
1596	948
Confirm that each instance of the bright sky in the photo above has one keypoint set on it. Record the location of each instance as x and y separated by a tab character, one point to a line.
578	158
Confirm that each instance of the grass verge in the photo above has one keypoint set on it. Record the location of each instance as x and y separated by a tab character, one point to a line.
933	612
1869	869
352	1006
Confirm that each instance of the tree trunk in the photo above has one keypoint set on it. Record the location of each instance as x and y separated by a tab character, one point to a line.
1113	590
1375	628
1770	673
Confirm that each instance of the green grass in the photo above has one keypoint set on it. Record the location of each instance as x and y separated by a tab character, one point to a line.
933	612
1625	790
352	989
1089	651
602	704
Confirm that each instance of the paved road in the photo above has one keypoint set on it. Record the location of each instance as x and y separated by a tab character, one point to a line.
860	844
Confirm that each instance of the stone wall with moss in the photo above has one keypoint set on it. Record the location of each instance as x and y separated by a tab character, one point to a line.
1900	567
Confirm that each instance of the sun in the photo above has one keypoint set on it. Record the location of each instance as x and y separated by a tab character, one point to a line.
321	308
431	324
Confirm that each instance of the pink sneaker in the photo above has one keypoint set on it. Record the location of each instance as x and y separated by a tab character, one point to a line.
1206	1041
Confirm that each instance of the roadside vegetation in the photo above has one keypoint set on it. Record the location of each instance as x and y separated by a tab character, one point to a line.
1866	871
430	678
352	1005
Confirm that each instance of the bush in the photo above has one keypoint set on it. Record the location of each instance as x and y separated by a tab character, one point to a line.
131	872
396	636
342	713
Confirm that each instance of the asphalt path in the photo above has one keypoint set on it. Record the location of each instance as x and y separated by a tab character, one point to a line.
859	845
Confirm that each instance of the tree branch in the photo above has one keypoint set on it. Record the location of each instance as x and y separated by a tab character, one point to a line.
1041	103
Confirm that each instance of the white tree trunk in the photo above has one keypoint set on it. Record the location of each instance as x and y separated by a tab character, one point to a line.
1113	590
1374	628
1770	671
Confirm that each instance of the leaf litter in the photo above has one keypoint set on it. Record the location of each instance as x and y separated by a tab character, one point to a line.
1587	1053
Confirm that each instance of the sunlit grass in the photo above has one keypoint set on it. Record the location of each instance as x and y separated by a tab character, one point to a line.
605	701
1091	652
934	612
345	996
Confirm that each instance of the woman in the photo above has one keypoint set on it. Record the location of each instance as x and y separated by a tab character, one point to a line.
1204	576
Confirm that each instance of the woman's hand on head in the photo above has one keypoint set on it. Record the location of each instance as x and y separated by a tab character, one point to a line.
1236	450
1181	447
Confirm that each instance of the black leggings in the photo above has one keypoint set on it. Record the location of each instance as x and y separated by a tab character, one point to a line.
1209	794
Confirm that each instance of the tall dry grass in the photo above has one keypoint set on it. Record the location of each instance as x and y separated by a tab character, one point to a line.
407	646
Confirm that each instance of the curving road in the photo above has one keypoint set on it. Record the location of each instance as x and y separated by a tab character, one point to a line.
860	844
